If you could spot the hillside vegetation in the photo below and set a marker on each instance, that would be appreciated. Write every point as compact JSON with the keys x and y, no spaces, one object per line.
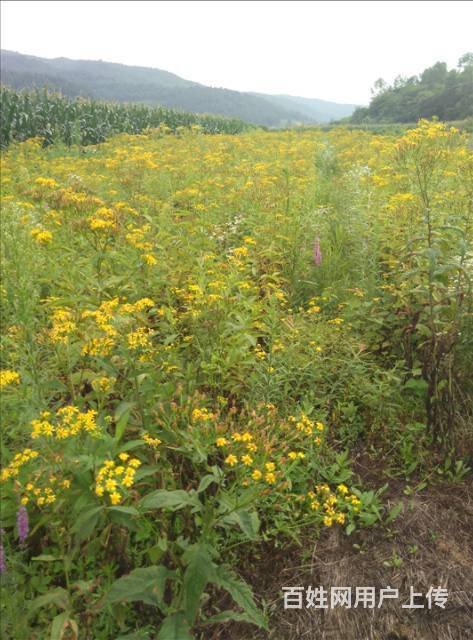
{"x":436,"y":92}
{"x":117,"y":82}
{"x":199,"y":332}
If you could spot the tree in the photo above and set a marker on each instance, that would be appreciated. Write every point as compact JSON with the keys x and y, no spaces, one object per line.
{"x":466,"y":60}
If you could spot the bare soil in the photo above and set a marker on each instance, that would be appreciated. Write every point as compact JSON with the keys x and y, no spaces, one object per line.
{"x":431,"y":543}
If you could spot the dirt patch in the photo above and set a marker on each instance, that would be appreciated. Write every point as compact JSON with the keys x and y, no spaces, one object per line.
{"x":429,"y":544}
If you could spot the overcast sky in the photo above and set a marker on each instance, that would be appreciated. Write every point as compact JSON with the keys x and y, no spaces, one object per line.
{"x":329,"y":50}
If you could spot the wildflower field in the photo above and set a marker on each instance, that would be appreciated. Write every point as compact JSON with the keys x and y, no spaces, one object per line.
{"x":200,"y":333}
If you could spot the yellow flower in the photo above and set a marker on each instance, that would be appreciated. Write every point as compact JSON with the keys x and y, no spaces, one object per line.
{"x":270,"y":466}
{"x":123,"y":456}
{"x":270,"y":478}
{"x":110,"y":485}
{"x":256,"y":475}
{"x":149,"y":259}
{"x":247,"y":460}
{"x":221,"y":442}
{"x":115,"y":498}
{"x":231,"y":460}
{"x":328,"y":521}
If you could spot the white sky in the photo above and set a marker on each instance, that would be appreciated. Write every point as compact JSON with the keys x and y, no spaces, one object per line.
{"x":329,"y":50}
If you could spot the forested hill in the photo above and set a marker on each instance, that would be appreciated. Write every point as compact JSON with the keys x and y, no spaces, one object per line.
{"x":446,"y":94}
{"x":122,"y":83}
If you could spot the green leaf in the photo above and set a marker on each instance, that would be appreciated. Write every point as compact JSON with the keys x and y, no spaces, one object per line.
{"x":141,"y":585}
{"x":423,"y":330}
{"x":199,"y":571}
{"x":350,"y":529}
{"x":242,"y":594}
{"x":175,"y":627}
{"x":86,"y":523}
{"x":173,"y":500}
{"x":59,"y":597}
{"x":419,"y":385}
{"x":246,"y":520}
{"x":394,"y":512}
{"x":131,"y":511}
{"x":59,"y":625}
{"x":122,"y":415}
{"x":206,"y":482}
{"x":46,"y":558}
{"x":224,"y":616}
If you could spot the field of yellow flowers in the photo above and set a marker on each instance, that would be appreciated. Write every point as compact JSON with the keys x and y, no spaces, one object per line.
{"x":197,"y":332}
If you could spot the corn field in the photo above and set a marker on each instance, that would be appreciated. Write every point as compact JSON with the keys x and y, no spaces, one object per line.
{"x":54,"y":117}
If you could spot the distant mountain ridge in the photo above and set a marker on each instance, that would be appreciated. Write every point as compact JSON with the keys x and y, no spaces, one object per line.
{"x":124,"y":83}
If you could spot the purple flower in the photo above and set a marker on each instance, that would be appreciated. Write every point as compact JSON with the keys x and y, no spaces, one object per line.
{"x":317,"y":252}
{"x":3,"y":564}
{"x":22,"y":523}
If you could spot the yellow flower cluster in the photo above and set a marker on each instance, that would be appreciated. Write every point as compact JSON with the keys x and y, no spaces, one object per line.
{"x":202,"y":415}
{"x":333,"y":505}
{"x":107,"y":317}
{"x":62,"y":326}
{"x":69,"y":421}
{"x":7,"y":376}
{"x":140,"y":339}
{"x":153,"y":442}
{"x":46,"y":494}
{"x":115,"y":479}
{"x":48,"y":183}
{"x":307,"y":426}
{"x":313,"y":306}
{"x":103,"y":383}
{"x":246,"y":439}
{"x":42,"y":236}
{"x":136,"y":237}
{"x":12,"y":469}
{"x":103,"y":220}
{"x":98,"y":347}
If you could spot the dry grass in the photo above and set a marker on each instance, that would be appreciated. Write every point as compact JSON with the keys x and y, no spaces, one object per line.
{"x":433,"y":540}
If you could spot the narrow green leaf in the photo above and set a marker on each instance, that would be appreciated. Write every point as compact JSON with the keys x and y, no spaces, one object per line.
{"x":173,"y":500}
{"x":199,"y":571}
{"x":225,"y":616}
{"x":175,"y":627}
{"x":59,"y":625}
{"x":122,"y":416}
